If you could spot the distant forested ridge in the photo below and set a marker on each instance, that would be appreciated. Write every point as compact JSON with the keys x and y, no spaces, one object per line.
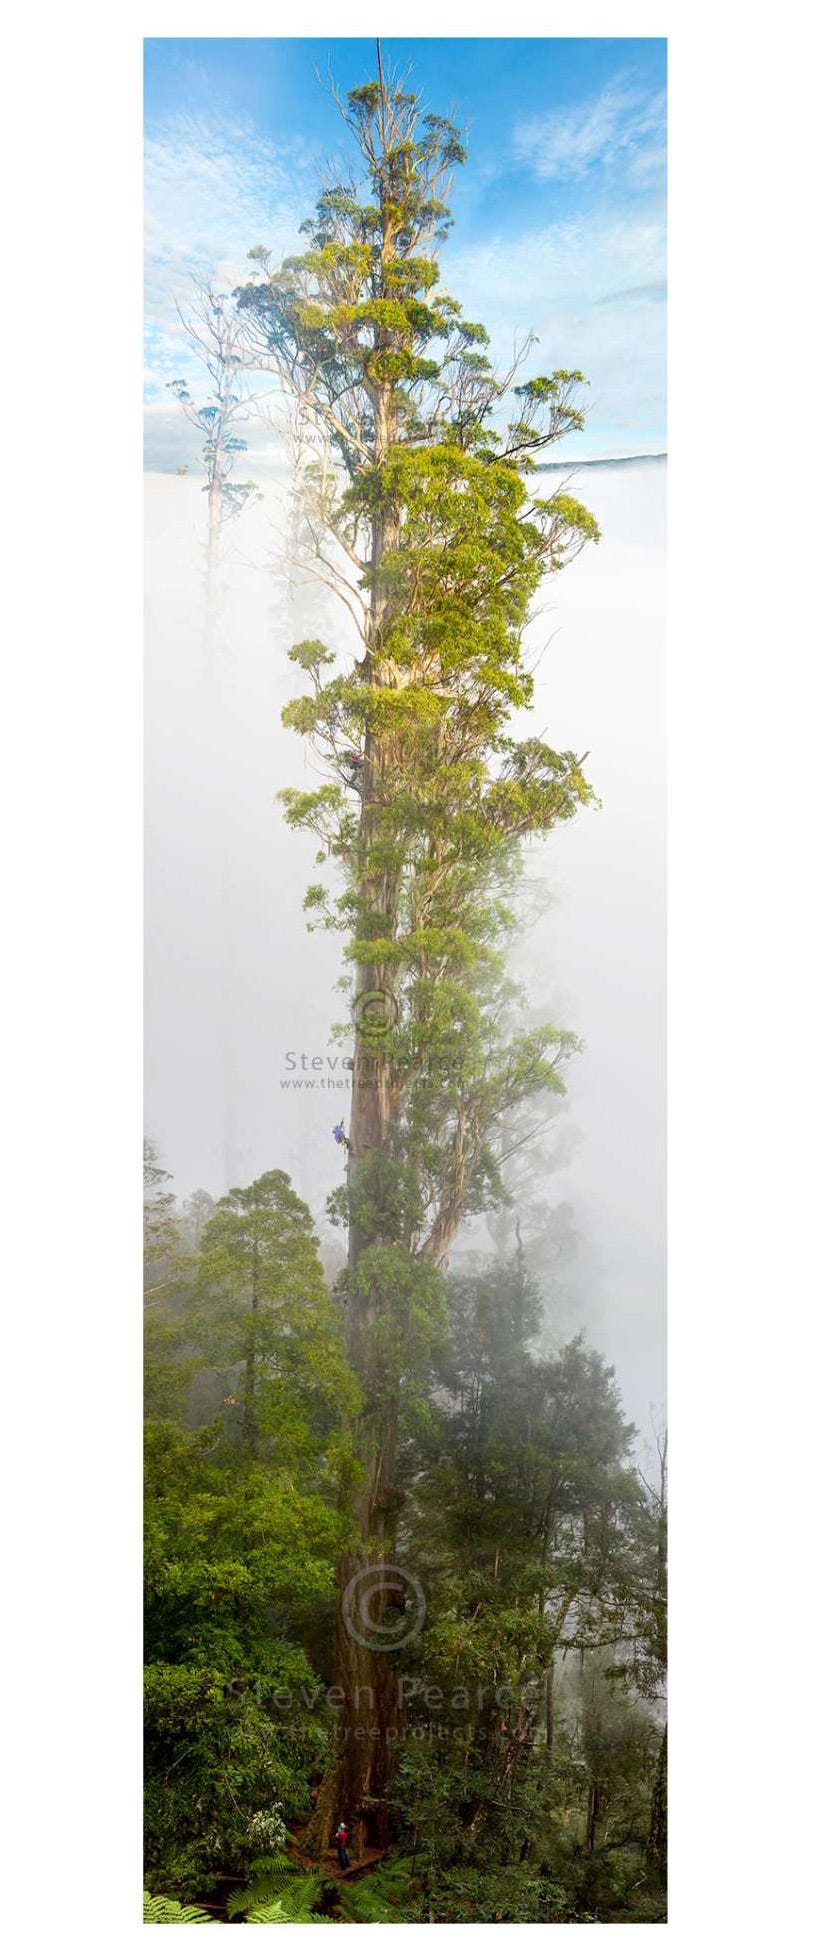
{"x":600,"y":462}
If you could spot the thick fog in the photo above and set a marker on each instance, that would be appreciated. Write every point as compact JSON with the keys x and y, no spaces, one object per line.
{"x":242,"y":1074}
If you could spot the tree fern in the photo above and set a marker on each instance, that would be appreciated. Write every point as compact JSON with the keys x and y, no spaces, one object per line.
{"x":277,"y":1892}
{"x":384,"y":1896}
{"x":160,"y":1908}
{"x":285,"y":1910}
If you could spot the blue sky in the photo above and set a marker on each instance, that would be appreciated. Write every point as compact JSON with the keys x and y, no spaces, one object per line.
{"x":559,"y":211}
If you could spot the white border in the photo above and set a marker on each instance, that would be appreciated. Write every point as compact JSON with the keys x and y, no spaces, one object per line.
{"x":743,"y":747}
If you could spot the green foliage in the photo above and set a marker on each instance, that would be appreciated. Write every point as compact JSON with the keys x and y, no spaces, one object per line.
{"x":541,"y":1557}
{"x":527,"y":1777}
{"x":295,"y":1906}
{"x":243,"y":1533}
{"x":406,"y":1316}
{"x":158,"y":1908}
{"x":230,"y":1545}
{"x":426,"y":494}
{"x":167,"y":1268}
{"x":163,"y":1245}
{"x":389,"y":1894}
{"x":279,"y":1892}
{"x":217,"y":1748}
{"x":266,"y":1318}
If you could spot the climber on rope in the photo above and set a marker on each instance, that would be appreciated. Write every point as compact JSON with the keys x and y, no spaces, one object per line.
{"x":340,"y":1136}
{"x":353,"y":762}
{"x":341,"y":1843}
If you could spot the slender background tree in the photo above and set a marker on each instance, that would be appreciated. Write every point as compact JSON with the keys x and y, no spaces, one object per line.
{"x":212,"y":328}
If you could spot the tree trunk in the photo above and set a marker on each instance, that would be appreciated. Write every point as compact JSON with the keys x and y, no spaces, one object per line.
{"x":212,"y":558}
{"x":364,"y":1676}
{"x":593,"y":1815}
{"x":657,"y":1836}
{"x":249,"y":1410}
{"x":548,"y":1706}
{"x":373,"y":1105}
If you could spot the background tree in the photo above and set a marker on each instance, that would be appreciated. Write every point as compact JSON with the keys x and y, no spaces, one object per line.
{"x":166,"y":1284}
{"x":212,"y":328}
{"x":266,"y":1319}
{"x":162,"y":1238}
{"x":650,"y":1657}
{"x":196,"y":1212}
{"x":534,"y":1754}
{"x":244,"y":1526}
{"x":425,"y":522}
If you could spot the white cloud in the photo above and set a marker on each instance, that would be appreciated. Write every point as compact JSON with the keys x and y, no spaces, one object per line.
{"x":621,"y":122}
{"x":574,"y":262}
{"x":592,"y":291}
{"x":213,"y":189}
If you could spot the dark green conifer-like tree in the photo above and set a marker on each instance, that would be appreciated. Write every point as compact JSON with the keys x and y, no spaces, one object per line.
{"x":266,"y":1313}
{"x":424,"y":515}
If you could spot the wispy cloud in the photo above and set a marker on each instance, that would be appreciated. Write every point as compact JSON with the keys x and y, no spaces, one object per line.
{"x":592,"y":290}
{"x":622,"y":123}
{"x":213,"y":189}
{"x":655,"y":291}
{"x":574,"y":262}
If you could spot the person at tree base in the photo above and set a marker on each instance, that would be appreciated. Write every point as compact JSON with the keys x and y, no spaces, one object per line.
{"x":341,"y":1839}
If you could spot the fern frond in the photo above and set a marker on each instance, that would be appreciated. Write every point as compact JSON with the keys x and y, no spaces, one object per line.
{"x":160,"y":1908}
{"x":268,"y":1873}
{"x":276,"y":1862}
{"x":383,"y":1896}
{"x":292,"y":1896}
{"x":282,"y":1912}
